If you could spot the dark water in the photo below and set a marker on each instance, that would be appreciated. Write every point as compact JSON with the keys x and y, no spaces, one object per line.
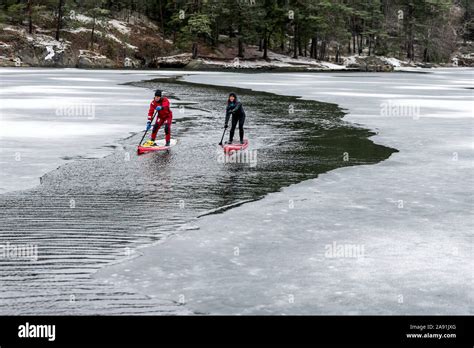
{"x":89,"y":213}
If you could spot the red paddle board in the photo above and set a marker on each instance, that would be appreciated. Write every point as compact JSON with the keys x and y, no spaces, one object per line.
{"x":160,"y":146}
{"x":235,"y":146}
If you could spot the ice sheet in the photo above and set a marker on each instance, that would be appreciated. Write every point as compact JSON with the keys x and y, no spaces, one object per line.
{"x":405,"y":225}
{"x":50,"y":114}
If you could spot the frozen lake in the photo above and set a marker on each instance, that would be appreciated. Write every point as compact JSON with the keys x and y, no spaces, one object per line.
{"x":97,"y":210}
{"x":405,"y":225}
{"x":52,"y":116}
{"x":403,"y":219}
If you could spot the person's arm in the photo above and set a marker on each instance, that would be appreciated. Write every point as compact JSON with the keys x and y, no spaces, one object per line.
{"x":151,"y":111}
{"x":228,"y":112}
{"x":237,"y":106}
{"x":165,"y":105}
{"x":227,"y":117}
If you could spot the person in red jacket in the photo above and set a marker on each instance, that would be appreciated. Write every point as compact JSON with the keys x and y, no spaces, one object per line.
{"x":165,"y":116}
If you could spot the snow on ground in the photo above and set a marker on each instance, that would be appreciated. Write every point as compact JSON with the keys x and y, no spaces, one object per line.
{"x":10,"y":28}
{"x":120,"y":26}
{"x":91,"y":53}
{"x":50,"y":54}
{"x":83,"y":18}
{"x":333,"y":66}
{"x":100,"y":33}
{"x":113,"y":37}
{"x":289,"y":60}
{"x":277,"y":61}
{"x":78,"y":30}
{"x":393,"y":61}
{"x":51,"y":45}
{"x":391,"y":238}
{"x":349,"y":60}
{"x":132,"y":47}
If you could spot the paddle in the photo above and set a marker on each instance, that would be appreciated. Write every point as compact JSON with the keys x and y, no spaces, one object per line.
{"x":222,"y":136}
{"x":224,"y":132}
{"x":146,"y":130}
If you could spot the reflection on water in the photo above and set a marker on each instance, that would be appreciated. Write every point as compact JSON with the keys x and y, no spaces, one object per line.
{"x":90,"y":213}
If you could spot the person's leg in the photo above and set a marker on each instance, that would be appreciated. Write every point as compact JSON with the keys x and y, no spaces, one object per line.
{"x":156,"y":128}
{"x":232,"y":128}
{"x":168,"y":130}
{"x":241,"y":127}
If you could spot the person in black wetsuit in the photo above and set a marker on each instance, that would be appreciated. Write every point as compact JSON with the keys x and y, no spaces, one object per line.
{"x":235,"y":108}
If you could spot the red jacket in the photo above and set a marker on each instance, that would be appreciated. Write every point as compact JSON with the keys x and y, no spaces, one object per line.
{"x":165,"y":112}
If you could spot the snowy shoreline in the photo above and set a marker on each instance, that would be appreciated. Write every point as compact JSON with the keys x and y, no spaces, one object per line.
{"x":414,"y":223}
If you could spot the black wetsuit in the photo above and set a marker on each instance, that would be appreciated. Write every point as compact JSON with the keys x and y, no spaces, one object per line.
{"x":238,"y":115}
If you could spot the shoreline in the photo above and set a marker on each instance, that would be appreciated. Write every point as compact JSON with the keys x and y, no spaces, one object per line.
{"x":407,"y":69}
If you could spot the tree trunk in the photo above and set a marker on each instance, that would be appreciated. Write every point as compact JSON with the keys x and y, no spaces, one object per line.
{"x":410,"y":40}
{"x":92,"y":32}
{"x":353,"y":43}
{"x":30,"y":20}
{"x":195,"y":50}
{"x":241,"y":48}
{"x":311,"y":49}
{"x":315,"y":47}
{"x":60,"y":18}
{"x":216,"y":34}
{"x":161,"y":18}
{"x":295,"y":42}
{"x":265,"y":45}
{"x":240,"y":43}
{"x":300,"y":47}
{"x":322,"y":51}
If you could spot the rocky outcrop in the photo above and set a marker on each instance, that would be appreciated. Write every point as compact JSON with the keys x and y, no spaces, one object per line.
{"x":7,"y":56}
{"x":464,"y":56}
{"x":89,"y":59}
{"x":25,"y":49}
{"x":115,"y":44}
{"x":464,"y":60}
{"x":176,"y":61}
{"x":369,"y":64}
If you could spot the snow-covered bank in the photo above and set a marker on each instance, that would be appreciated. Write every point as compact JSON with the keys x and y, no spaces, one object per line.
{"x":120,"y":44}
{"x":51,"y":116}
{"x":283,"y":63}
{"x":405,"y":225}
{"x":127,"y":45}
